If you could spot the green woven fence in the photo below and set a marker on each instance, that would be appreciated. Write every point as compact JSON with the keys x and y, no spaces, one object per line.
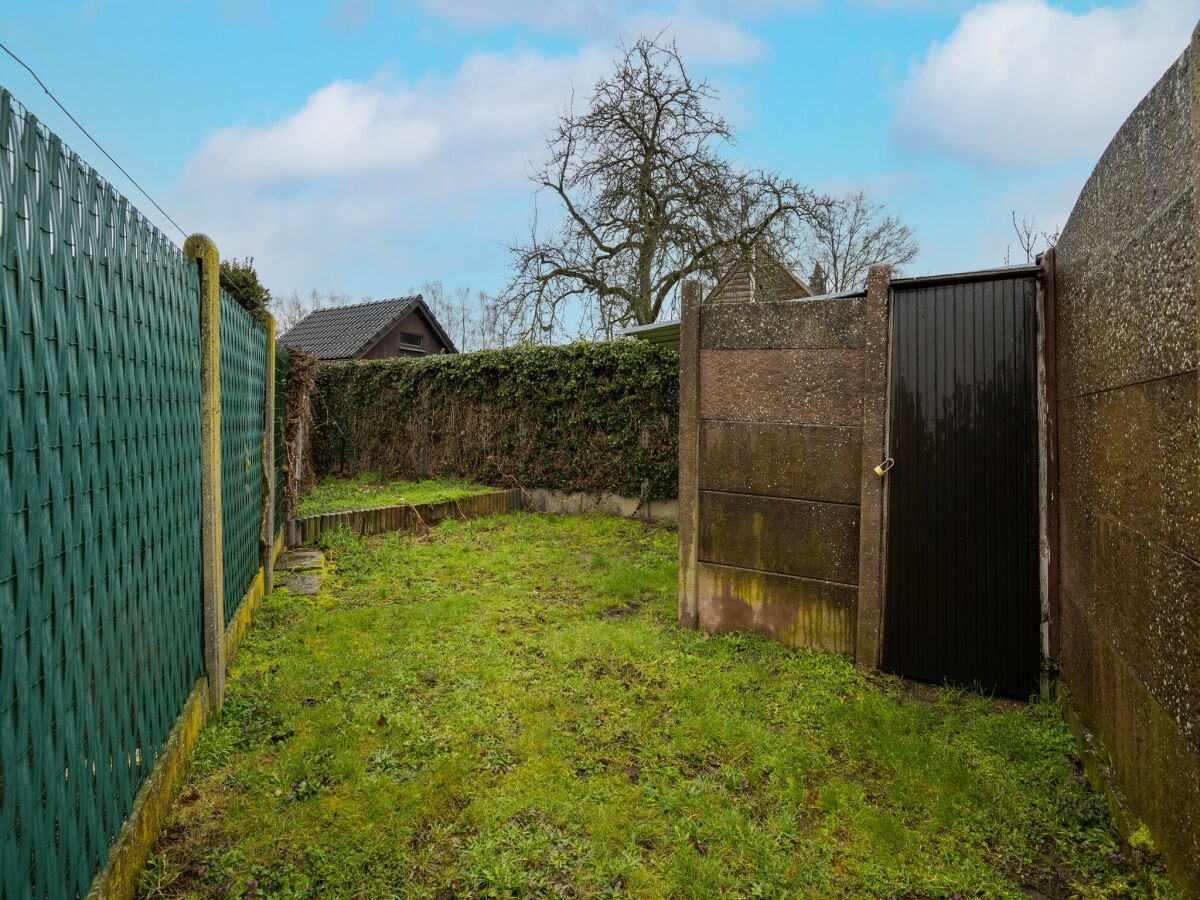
{"x":243,"y":373}
{"x":99,"y":507}
{"x":100,"y":503}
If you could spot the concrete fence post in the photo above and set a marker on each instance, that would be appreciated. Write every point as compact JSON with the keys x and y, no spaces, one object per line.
{"x":872,"y":547}
{"x":203,"y":252}
{"x":689,"y":450}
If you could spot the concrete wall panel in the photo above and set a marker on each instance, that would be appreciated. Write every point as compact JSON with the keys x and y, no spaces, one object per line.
{"x":1141,"y":738}
{"x":1142,"y":172}
{"x":798,"y":612}
{"x":815,"y":387}
{"x":802,"y":462}
{"x":1129,"y":317}
{"x":1134,"y":454}
{"x":789,"y":537}
{"x":1145,"y":599}
{"x":811,"y":324}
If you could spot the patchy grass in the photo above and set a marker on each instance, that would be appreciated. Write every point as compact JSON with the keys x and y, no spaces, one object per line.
{"x":506,"y":708}
{"x":371,"y":490}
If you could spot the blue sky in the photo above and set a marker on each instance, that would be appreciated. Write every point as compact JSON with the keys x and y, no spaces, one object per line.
{"x":368,"y":146}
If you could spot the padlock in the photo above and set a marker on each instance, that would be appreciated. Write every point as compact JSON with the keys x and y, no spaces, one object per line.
{"x":882,"y":468}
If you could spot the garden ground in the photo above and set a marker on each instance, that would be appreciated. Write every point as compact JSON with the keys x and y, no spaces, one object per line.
{"x":505,"y":708}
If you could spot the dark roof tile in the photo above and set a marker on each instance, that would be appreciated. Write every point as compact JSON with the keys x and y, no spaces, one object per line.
{"x":342,"y":332}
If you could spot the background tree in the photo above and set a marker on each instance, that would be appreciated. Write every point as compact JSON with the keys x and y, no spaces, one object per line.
{"x":852,"y":234}
{"x":1031,"y":240}
{"x":240,"y":280}
{"x":647,"y":201}
{"x":291,"y":308}
{"x":468,"y":317}
{"x":817,"y":282}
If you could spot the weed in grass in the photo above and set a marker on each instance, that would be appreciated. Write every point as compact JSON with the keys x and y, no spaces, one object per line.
{"x":506,"y":708}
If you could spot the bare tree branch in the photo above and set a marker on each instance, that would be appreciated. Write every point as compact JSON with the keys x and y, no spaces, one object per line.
{"x":648,"y":200}
{"x":851,"y":235}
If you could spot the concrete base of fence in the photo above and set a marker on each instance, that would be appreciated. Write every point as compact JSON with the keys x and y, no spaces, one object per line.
{"x":127,"y":857}
{"x":542,"y":500}
{"x":236,"y":629}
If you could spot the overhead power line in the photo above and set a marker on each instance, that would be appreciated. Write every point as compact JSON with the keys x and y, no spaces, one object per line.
{"x":229,"y":284}
{"x":88,"y":135}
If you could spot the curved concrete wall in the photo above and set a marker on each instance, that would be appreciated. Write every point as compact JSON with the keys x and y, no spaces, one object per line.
{"x":1129,"y":461}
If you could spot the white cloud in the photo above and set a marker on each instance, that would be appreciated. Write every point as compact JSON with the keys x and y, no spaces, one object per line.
{"x":703,"y":30}
{"x":1020,"y":82}
{"x":698,"y":37}
{"x":341,"y":193}
{"x":345,"y":128}
{"x":549,"y":15}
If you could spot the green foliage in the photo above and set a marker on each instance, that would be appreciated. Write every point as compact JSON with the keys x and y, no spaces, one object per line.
{"x":506,"y":708}
{"x":595,"y":417}
{"x":370,"y":490}
{"x":240,"y":280}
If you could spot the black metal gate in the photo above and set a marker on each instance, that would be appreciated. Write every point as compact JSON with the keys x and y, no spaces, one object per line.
{"x":962,"y":598}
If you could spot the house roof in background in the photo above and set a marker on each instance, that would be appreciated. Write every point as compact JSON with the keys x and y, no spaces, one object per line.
{"x":343,"y":332}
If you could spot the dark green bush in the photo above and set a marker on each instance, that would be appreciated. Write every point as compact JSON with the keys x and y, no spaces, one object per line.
{"x":594,"y":417}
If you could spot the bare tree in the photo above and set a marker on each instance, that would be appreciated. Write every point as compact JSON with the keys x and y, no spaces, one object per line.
{"x":1031,"y":241}
{"x":851,"y":235}
{"x":647,"y":200}
{"x":291,"y":308}
{"x":468,"y":317}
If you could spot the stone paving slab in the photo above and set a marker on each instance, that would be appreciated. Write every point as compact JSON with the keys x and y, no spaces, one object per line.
{"x":300,"y":583}
{"x":299,"y":560}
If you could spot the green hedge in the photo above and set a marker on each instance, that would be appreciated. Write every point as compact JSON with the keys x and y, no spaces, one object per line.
{"x":594,"y":417}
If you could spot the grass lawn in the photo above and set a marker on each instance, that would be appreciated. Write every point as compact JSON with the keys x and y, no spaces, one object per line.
{"x":371,"y":490}
{"x":506,"y":708}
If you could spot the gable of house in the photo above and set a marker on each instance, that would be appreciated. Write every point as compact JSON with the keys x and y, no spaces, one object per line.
{"x":759,"y":278}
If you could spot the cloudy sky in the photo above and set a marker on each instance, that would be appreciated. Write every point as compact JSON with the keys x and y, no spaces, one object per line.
{"x":368,"y":146}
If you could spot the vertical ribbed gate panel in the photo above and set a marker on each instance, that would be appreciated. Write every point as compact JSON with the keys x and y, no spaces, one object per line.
{"x":243,"y":373}
{"x":99,"y":507}
{"x":963,"y":603}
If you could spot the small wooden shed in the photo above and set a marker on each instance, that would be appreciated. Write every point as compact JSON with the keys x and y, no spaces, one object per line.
{"x":404,"y":326}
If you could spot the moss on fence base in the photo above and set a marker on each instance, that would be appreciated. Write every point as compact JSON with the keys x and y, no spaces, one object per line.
{"x":593,"y":417}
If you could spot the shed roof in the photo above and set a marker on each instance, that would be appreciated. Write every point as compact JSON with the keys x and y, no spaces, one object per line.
{"x":343,"y":332}
{"x":665,"y":334}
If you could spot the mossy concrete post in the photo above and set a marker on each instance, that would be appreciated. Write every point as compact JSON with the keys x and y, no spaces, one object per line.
{"x":872,"y":529}
{"x":689,"y":450}
{"x":203,"y":252}
{"x":267,"y":538}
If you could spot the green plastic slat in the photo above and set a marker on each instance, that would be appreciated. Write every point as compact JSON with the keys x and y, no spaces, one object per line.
{"x":99,"y":507}
{"x":281,"y":370}
{"x":243,"y":395}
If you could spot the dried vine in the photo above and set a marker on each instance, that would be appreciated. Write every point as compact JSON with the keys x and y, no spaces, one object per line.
{"x":297,"y":460}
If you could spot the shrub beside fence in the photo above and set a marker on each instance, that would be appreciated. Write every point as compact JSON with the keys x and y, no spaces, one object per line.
{"x":591,"y":417}
{"x":102,"y":367}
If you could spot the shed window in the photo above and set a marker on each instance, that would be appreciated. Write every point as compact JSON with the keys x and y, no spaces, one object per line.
{"x":413,"y":340}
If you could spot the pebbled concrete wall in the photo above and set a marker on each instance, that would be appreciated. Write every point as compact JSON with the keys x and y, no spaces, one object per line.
{"x":771,"y":437}
{"x":1129,"y":461}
